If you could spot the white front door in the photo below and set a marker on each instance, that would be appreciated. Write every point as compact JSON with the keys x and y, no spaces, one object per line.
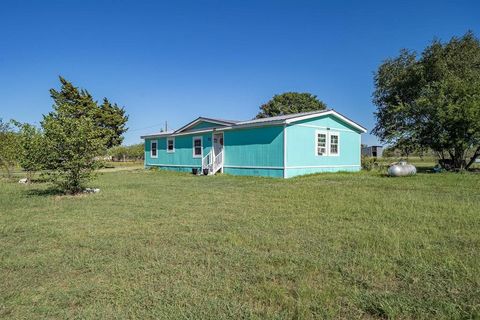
{"x":217,"y":143}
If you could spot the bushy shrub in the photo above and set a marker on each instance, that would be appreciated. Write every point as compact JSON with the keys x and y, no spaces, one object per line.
{"x":369,"y":163}
{"x":127,"y":153}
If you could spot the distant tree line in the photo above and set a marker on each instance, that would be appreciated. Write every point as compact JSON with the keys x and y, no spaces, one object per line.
{"x":127,"y":153}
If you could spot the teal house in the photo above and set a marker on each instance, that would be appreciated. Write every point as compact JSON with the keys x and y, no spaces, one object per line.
{"x":282,"y":146}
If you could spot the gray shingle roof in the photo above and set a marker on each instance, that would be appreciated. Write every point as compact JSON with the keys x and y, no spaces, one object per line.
{"x":281,"y":118}
{"x":254,"y":122}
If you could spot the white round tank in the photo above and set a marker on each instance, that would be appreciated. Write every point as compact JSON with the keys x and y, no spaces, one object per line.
{"x":401,"y":169}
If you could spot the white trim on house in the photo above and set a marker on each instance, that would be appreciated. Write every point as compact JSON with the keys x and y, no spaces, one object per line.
{"x":252,"y":167}
{"x":360,"y":148}
{"x":325,"y":166}
{"x":294,"y":167}
{"x":284,"y":150}
{"x":173,"y":143}
{"x":201,"y":146}
{"x":156,"y":149}
{"x":176,"y":165}
{"x":330,"y":112}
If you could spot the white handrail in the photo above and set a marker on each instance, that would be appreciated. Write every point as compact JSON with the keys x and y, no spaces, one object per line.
{"x":206,"y":161}
{"x":217,"y":162}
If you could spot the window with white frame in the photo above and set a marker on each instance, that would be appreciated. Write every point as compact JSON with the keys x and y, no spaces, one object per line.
{"x":334,"y":144}
{"x":153,"y":148}
{"x":170,"y":145}
{"x":321,"y":143}
{"x":197,"y":147}
{"x":327,"y":143}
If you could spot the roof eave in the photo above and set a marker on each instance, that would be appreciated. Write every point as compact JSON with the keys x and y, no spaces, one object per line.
{"x":251,"y":125}
{"x":333,"y":112}
{"x":185,"y":127}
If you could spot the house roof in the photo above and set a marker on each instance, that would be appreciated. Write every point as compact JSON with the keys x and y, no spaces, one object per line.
{"x":281,"y":119}
{"x":200,"y":119}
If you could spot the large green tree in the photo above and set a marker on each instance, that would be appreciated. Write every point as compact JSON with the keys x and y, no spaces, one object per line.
{"x":75,"y":133}
{"x":110,"y":118}
{"x":290,"y":102}
{"x":71,"y":145}
{"x":432,"y":100}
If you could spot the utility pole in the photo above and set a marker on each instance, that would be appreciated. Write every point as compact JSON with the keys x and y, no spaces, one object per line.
{"x":166,"y":127}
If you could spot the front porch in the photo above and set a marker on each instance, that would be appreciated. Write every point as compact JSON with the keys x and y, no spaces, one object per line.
{"x":214,"y":160}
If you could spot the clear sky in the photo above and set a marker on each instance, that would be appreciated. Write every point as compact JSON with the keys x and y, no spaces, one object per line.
{"x":173,"y":61}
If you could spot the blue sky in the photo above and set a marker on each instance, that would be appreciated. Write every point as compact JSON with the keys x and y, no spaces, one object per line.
{"x":173,"y":61}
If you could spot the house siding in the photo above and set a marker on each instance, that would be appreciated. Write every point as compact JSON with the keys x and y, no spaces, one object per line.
{"x":180,"y":160}
{"x":254,"y":151}
{"x":301,"y":155}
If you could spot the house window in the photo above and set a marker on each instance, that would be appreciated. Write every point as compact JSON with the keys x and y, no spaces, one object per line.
{"x":327,"y":143}
{"x":197,"y":147}
{"x":170,"y":145}
{"x":321,"y":144}
{"x":333,"y":144}
{"x":153,"y":149}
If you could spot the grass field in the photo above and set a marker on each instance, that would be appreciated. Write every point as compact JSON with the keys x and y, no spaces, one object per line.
{"x":168,"y":245}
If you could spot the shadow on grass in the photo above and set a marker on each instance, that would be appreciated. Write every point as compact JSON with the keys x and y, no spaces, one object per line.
{"x":44,"y":192}
{"x":54,"y":192}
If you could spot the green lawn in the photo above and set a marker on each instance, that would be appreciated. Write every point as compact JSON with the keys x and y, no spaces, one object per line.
{"x":168,"y":245}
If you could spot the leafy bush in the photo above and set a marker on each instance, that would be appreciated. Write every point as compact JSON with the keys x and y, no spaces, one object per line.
{"x":127,"y":153}
{"x":369,"y":163}
{"x":9,"y":147}
{"x":71,"y":147}
{"x":32,"y":151}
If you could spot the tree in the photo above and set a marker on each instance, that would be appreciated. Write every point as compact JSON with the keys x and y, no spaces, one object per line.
{"x":136,"y":151}
{"x":112,"y":119}
{"x":71,"y":144}
{"x":432,"y":100}
{"x":32,"y":149}
{"x":9,"y":147}
{"x":132,"y":152}
{"x":75,"y":133}
{"x":75,"y":102}
{"x":290,"y":102}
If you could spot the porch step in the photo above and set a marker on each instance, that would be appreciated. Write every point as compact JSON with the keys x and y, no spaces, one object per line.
{"x":213,"y":164}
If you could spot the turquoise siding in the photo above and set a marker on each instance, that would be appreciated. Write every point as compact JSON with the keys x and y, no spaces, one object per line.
{"x":204,"y":125}
{"x":183,"y":155}
{"x":257,"y":151}
{"x":301,"y":148}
